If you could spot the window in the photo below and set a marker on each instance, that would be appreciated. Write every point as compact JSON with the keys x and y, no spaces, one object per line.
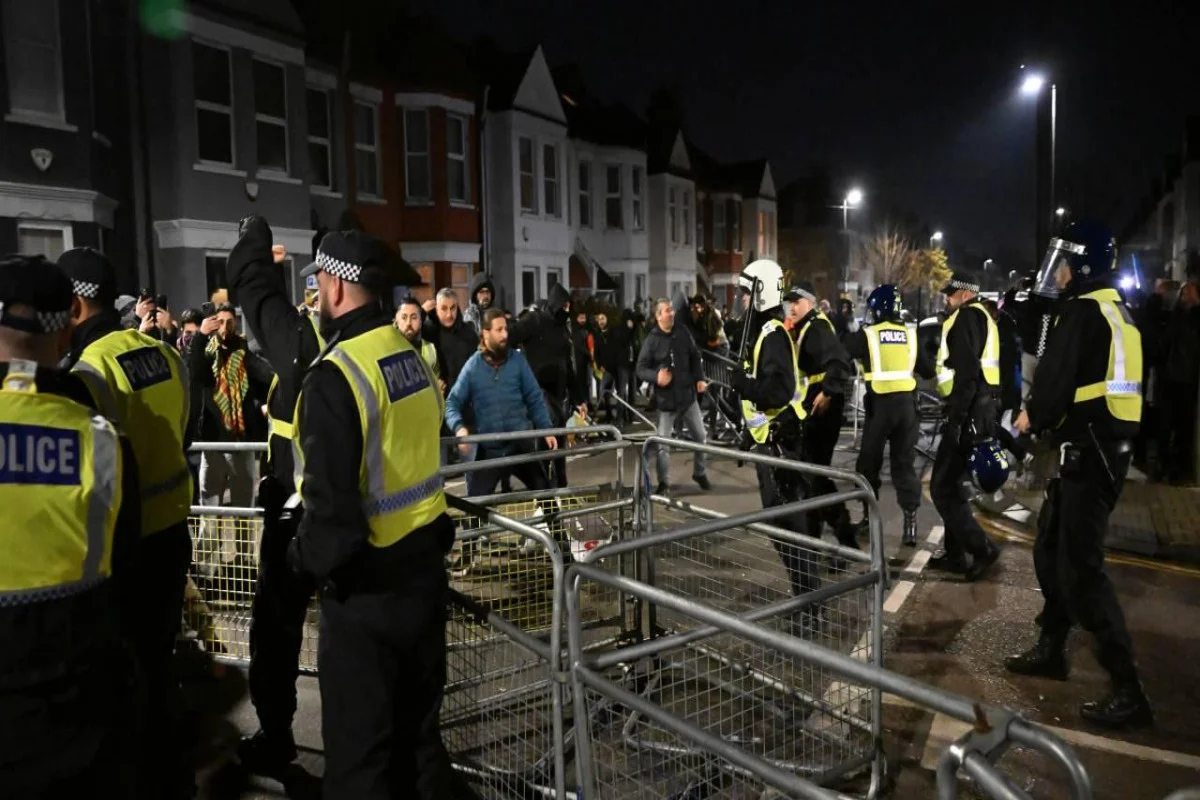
{"x":772,"y":242}
{"x":214,"y":104}
{"x":762,"y":234}
{"x":457,"y":173}
{"x":32,"y":45}
{"x":214,"y":270}
{"x":460,"y":282}
{"x":366,"y":149}
{"x":687,"y":216}
{"x":735,"y":219}
{"x":719,"y":242}
{"x":612,"y":201}
{"x":585,"y":194}
{"x":672,"y":217}
{"x":320,"y":140}
{"x":637,"y":198}
{"x":699,"y":224}
{"x":418,"y":185}
{"x":270,"y":116}
{"x":550,"y":179}
{"x":554,"y":276}
{"x":529,"y":286}
{"x":525,"y":156}
{"x":639,"y":283}
{"x":49,"y":239}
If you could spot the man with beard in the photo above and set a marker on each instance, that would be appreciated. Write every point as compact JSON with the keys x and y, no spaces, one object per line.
{"x":408,"y":321}
{"x":482,"y":293}
{"x":606,"y":356}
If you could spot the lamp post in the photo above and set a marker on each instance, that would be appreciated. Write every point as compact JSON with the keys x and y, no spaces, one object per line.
{"x":1047,"y":124}
{"x":936,"y":239}
{"x":852,"y":200}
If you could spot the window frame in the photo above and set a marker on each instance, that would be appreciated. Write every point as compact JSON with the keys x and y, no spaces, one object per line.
{"x":637,"y":186}
{"x":720,"y":236}
{"x":532,"y":208}
{"x":619,"y":196}
{"x":686,"y":214}
{"x":327,"y":140}
{"x":551,"y":182}
{"x":537,"y":283}
{"x":464,"y":158}
{"x":59,"y":118}
{"x":672,"y":216}
{"x":63,"y":228}
{"x":700,"y":246}
{"x":216,"y":108}
{"x":373,"y":149}
{"x":222,"y":254}
{"x":261,"y":118}
{"x":409,"y":154}
{"x":585,"y":194}
{"x":735,"y":226}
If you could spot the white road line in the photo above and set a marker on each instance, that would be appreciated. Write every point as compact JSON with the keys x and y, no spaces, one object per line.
{"x":917,"y":564}
{"x":946,"y":729}
{"x":897,"y":596}
{"x":936,"y":534}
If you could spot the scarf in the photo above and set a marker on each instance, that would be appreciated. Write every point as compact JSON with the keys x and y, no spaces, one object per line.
{"x":229,"y":369}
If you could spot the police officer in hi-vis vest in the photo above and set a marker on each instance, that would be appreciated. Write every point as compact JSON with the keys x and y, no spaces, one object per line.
{"x":290,"y":341}
{"x":374,"y":535}
{"x":891,"y":357}
{"x":1087,"y":396}
{"x":773,"y":409}
{"x":141,"y":384}
{"x":968,"y":376}
{"x":68,"y":486}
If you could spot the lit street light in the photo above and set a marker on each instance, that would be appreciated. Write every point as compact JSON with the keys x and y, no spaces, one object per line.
{"x":1047,"y":115}
{"x":936,"y":238}
{"x":1033,"y":84}
{"x":988,"y":263}
{"x":1060,"y":211}
{"x":853,"y":199}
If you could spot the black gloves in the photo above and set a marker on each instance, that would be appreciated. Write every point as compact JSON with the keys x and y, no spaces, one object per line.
{"x":253,"y":246}
{"x":739,"y":380}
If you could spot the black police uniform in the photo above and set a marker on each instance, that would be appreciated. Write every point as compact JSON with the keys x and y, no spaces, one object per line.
{"x":821,"y":352}
{"x":773,"y":386}
{"x":281,"y":596}
{"x":1072,"y":524}
{"x":68,"y":679}
{"x":891,"y":420}
{"x":383,"y":610}
{"x":972,"y":404}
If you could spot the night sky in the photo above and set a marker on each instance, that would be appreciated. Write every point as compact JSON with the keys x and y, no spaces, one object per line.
{"x":915,"y":102}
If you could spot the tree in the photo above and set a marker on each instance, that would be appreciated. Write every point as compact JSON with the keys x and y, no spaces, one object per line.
{"x":887,"y":254}
{"x":927,"y":269}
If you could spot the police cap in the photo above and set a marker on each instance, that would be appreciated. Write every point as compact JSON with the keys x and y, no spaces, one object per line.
{"x":961,"y":280}
{"x":92,"y":274}
{"x":35,"y":295}
{"x":360,"y":258}
{"x":801,"y":291}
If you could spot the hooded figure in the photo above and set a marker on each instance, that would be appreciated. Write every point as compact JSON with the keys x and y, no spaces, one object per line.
{"x":482,"y":293}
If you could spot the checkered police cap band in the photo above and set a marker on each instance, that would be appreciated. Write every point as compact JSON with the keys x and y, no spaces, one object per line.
{"x":53,"y":321}
{"x":959,"y":284}
{"x":339,"y":269}
{"x":86,"y":289}
{"x":42,"y":321}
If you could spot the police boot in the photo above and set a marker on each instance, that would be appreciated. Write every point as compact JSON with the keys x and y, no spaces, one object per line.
{"x":1046,"y":659}
{"x":910,"y":528}
{"x":1125,"y":706}
{"x":267,"y":754}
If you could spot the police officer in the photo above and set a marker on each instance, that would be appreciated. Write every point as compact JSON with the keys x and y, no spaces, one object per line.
{"x":290,"y":341}
{"x":1086,"y":394}
{"x":68,"y":486}
{"x":968,"y":376}
{"x":773,"y":410}
{"x":891,"y":355}
{"x":141,"y":384}
{"x":824,"y":376}
{"x":373,"y":536}
{"x":409,"y":318}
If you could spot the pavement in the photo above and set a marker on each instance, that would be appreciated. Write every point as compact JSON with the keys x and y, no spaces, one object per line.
{"x":939,"y":630}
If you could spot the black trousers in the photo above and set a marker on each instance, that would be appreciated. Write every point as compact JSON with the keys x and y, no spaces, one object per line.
{"x":382,"y":660}
{"x":821,"y":434}
{"x":892,"y":421}
{"x":483,"y":481}
{"x":281,"y":598}
{"x":776,"y":488}
{"x":963,"y":533}
{"x":152,"y":608}
{"x":1069,"y":558}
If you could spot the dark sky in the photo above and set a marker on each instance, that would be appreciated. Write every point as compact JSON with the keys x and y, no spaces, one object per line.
{"x":916,"y":102}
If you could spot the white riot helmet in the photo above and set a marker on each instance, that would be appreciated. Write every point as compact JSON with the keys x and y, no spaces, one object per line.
{"x":763,"y":281}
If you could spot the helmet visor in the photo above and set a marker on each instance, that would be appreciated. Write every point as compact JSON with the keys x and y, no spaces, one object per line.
{"x":1055,"y":272}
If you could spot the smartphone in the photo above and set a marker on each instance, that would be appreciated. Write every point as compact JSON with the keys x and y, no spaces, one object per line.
{"x":208,"y":310}
{"x":161,"y":301}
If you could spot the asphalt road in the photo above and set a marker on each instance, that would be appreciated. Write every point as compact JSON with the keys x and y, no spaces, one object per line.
{"x":939,"y":630}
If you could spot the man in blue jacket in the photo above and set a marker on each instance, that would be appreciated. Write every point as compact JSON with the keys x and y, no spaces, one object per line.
{"x":500,"y":388}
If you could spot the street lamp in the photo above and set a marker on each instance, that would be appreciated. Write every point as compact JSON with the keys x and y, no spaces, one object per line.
{"x":1060,"y":211}
{"x":987,"y":263}
{"x":1047,"y":114}
{"x":853,"y":199}
{"x":936,"y":238}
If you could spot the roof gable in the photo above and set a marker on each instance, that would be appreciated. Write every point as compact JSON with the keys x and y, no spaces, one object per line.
{"x":536,"y":92}
{"x":679,"y":156}
{"x":767,"y":187}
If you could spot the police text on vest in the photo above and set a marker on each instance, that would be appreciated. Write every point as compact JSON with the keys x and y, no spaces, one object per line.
{"x":145,"y":367}
{"x":37,"y":454}
{"x":893,"y":337}
{"x":404,"y":374}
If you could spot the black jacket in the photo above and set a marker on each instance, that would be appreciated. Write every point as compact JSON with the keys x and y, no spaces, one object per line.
{"x":455,"y":345}
{"x":823,"y":352}
{"x":545,"y":336}
{"x":331,"y":542}
{"x":677,"y":352}
{"x":626,"y":340}
{"x":774,"y":381}
{"x":1076,"y":355}
{"x":972,"y":399}
{"x":472,"y":315}
{"x":607,"y":349}
{"x":288,"y":340}
{"x":209,"y":427}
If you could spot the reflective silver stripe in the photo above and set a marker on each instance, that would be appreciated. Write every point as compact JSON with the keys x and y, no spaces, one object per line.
{"x":1123,"y":387}
{"x":895,"y":375}
{"x":42,"y":594}
{"x":396,"y":501}
{"x":372,"y":436}
{"x":989,"y":362}
{"x":873,"y":346}
{"x":1118,"y":340}
{"x":104,"y":490}
{"x":945,"y":375}
{"x":912,"y":348}
{"x":102,"y":393}
{"x":162,"y":487}
{"x":756,"y":419}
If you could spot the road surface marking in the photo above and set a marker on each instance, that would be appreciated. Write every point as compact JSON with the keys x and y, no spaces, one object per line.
{"x":936,"y":534}
{"x":946,"y":730}
{"x":897,"y":596}
{"x":917,"y":564}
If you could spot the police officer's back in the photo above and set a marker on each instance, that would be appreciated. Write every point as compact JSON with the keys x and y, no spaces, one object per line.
{"x":1086,"y":394}
{"x":68,"y":486}
{"x":374,"y":535}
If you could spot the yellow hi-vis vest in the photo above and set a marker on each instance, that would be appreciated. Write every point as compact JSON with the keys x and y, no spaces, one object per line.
{"x":284,"y":427}
{"x":141,"y":384}
{"x":429,"y":354}
{"x":1122,"y":384}
{"x":989,"y":359}
{"x":60,"y":487}
{"x":401,"y":410}
{"x":892,"y":348}
{"x":759,"y":422}
{"x":810,"y":380}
